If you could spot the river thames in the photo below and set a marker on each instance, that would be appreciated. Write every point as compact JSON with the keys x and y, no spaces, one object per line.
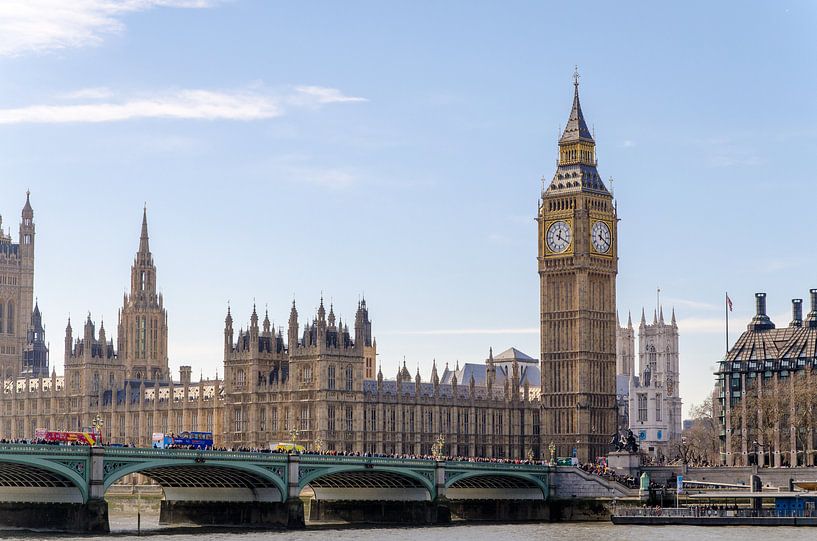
{"x":125,"y":528}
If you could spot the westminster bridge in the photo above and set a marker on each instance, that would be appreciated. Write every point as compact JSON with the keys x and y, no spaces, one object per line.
{"x":63,"y":487}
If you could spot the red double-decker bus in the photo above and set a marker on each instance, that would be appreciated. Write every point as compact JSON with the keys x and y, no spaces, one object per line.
{"x":86,"y":436}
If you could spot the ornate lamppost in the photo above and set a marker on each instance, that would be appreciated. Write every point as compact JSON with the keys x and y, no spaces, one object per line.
{"x":319,"y":444}
{"x":552,"y":449}
{"x":438,"y":448}
{"x":97,"y":422}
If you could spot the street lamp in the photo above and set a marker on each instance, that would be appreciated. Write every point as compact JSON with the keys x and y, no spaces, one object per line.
{"x":97,"y":422}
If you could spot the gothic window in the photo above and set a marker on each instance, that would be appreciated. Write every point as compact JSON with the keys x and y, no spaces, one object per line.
{"x":95,"y":383}
{"x":239,"y":377}
{"x":179,"y":422}
{"x":238,"y":420}
{"x":194,"y":421}
{"x":155,"y":337}
{"x":330,"y":418}
{"x":27,"y":239}
{"x":1,"y":317}
{"x":330,"y":377}
{"x":349,"y":419}
{"x":658,"y":407}
{"x":349,"y":380}
{"x":142,"y":280}
{"x":306,"y":374}
{"x":305,"y":414}
{"x":642,"y":407}
{"x":10,"y":321}
{"x":262,"y":418}
{"x":273,"y":418}
{"x":651,"y":358}
{"x":209,"y":421}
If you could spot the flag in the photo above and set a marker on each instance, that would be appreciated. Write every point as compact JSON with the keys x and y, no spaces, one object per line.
{"x":728,"y":302}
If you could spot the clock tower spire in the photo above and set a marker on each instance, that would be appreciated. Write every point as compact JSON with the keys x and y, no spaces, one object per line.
{"x":578,"y":263}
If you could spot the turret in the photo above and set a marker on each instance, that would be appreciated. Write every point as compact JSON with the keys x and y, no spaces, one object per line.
{"x":292,"y":332}
{"x":69,"y":340}
{"x":228,"y":331}
{"x":27,"y":232}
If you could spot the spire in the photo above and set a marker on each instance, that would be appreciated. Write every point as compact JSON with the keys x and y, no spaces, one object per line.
{"x":576,"y":128}
{"x":630,"y":319}
{"x":617,"y":322}
{"x":144,"y":245}
{"x":643,"y":319}
{"x":654,"y":317}
{"x":28,"y":212}
{"x":674,"y":324}
{"x":661,"y":315}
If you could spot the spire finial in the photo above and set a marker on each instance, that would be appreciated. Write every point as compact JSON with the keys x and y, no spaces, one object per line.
{"x":144,"y":246}
{"x":576,"y":78}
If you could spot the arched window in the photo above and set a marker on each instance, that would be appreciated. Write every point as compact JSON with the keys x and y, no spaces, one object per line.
{"x":349,"y":380}
{"x":1,"y":317}
{"x":95,"y":383}
{"x":10,"y":322}
{"x":330,"y":377}
{"x":239,"y":377}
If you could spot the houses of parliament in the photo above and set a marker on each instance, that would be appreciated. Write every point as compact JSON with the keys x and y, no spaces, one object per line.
{"x":317,"y":381}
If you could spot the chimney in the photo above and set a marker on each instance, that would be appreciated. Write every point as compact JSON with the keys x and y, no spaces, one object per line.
{"x":796,"y":313}
{"x":811,"y":320}
{"x":761,"y":321}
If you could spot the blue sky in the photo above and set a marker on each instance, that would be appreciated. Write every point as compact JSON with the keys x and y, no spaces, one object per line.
{"x":396,"y":150}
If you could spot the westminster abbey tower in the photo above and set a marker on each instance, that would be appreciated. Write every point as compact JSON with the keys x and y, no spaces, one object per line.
{"x":577,"y":272}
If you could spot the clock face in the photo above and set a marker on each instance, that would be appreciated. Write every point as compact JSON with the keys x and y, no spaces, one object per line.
{"x":601,"y":238}
{"x":558,"y":237}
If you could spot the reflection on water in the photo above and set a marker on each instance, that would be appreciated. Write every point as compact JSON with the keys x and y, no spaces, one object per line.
{"x":124,"y":526}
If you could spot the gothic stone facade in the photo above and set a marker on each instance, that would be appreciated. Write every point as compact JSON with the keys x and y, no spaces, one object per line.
{"x":311,"y":386}
{"x":652,"y":397}
{"x":318,"y":385}
{"x":22,"y":346}
{"x":578,"y":262}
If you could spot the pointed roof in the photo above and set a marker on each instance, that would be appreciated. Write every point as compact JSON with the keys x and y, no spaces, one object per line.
{"x":576,"y":128}
{"x":144,"y":244}
{"x":27,"y":210}
{"x":513,"y":354}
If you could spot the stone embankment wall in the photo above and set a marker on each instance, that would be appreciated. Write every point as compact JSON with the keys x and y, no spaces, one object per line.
{"x":769,"y":477}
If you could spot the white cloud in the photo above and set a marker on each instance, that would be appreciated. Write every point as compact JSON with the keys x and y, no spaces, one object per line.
{"x":93,"y":93}
{"x":628,"y":143}
{"x":44,"y":25}
{"x":181,"y":104}
{"x":321,"y":95}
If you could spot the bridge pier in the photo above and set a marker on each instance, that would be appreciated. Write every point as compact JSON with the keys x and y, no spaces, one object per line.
{"x":91,"y":517}
{"x":380,"y":512}
{"x":500,"y":510}
{"x":289,"y":514}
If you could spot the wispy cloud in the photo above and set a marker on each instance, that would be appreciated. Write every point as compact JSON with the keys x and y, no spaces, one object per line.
{"x":180,"y":104}
{"x":92,"y":93}
{"x":628,"y":143}
{"x":39,"y":26}
{"x":523,"y":330}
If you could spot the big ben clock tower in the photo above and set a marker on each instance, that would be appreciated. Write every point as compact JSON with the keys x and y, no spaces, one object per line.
{"x":577,"y":275}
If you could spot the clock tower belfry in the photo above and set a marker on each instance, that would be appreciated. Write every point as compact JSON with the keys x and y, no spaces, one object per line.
{"x":578,"y":262}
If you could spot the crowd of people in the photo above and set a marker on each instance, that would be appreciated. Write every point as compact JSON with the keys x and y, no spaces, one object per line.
{"x":609,"y":474}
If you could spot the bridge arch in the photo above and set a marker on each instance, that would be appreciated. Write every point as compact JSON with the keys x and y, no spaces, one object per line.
{"x":30,"y":478}
{"x":183,"y":480}
{"x":367,"y":482}
{"x":496,"y":485}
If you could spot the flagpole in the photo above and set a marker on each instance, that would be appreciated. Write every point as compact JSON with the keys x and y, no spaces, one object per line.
{"x":726,"y":309}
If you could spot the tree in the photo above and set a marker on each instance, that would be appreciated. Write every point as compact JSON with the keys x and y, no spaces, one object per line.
{"x":700,"y":443}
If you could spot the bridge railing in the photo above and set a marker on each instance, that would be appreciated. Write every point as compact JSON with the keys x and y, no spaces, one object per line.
{"x":307,"y":458}
{"x":76,"y":450}
{"x":192,"y":453}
